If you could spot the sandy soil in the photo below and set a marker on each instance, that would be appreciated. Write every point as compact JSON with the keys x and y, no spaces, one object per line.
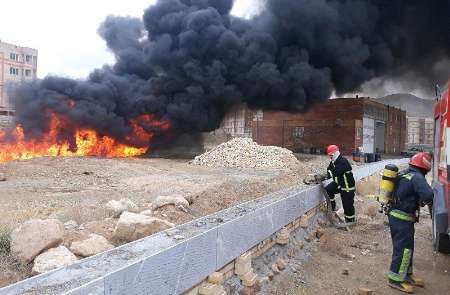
{"x":78,"y":188}
{"x":366,"y":252}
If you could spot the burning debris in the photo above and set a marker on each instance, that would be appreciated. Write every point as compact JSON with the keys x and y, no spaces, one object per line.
{"x":187,"y":62}
{"x":64,"y":139}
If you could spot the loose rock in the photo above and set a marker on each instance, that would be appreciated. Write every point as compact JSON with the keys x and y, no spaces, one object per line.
{"x":281,"y":264}
{"x":216,"y":278}
{"x":147,"y":212}
{"x":133,"y":226}
{"x":365,"y":291}
{"x":275,"y":268}
{"x":118,"y":207}
{"x":53,"y":259}
{"x":245,"y":153}
{"x":162,"y":201}
{"x":35,"y":236}
{"x":91,"y":246}
{"x":70,"y":225}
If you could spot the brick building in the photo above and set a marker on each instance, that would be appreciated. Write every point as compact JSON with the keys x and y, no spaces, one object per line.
{"x":349,"y":122}
{"x":17,"y":64}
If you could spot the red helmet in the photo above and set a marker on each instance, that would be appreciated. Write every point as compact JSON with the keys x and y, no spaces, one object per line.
{"x":421,"y":160}
{"x":331,"y":149}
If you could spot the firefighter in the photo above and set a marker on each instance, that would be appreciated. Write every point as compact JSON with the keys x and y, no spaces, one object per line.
{"x":340,"y":171}
{"x":411,"y":191}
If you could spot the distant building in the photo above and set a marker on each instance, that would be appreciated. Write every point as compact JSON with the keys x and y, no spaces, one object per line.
{"x":419,"y":115}
{"x":420,"y":130}
{"x":349,"y":122}
{"x":17,"y":64}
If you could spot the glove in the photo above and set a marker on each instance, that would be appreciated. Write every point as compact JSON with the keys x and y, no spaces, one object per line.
{"x":320,"y":177}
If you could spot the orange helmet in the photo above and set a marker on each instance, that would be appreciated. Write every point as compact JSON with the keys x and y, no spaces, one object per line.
{"x":421,"y":160}
{"x":331,"y":149}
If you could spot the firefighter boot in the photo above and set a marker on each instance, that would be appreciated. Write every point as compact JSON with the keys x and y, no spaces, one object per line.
{"x":401,"y":286}
{"x":415,"y":281}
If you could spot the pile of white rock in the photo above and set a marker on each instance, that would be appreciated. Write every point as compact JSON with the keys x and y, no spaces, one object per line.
{"x":245,"y":153}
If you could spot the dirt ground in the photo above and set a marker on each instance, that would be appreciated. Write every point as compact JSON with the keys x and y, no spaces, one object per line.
{"x":365,"y":252}
{"x":78,"y":188}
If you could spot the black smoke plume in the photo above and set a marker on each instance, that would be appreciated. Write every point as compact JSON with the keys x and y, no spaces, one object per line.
{"x":189,"y":61}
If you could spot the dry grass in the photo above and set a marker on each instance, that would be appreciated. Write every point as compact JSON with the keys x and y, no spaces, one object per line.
{"x":10,"y":268}
{"x":5,"y":243}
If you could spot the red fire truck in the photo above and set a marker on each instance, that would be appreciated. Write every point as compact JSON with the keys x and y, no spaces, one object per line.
{"x":441,"y":177}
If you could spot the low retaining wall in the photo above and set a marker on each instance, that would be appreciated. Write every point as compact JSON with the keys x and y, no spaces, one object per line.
{"x":178,"y":259}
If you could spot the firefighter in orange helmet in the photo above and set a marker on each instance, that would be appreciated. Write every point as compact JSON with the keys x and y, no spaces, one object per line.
{"x":411,"y":191}
{"x":340,"y":171}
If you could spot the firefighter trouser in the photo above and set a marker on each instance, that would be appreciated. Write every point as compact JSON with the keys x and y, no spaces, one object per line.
{"x":402,"y":233}
{"x":347,"y":201}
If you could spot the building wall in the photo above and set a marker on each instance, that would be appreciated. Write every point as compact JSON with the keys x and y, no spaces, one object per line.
{"x":17,"y":64}
{"x":420,"y":130}
{"x":237,"y":122}
{"x":337,"y":121}
{"x":396,"y":132}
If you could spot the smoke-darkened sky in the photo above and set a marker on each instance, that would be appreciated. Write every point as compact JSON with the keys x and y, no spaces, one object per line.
{"x":189,"y":61}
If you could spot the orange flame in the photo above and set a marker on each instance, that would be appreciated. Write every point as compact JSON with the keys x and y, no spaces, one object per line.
{"x":85,"y":142}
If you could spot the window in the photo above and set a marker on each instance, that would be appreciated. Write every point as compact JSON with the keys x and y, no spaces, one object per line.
{"x":13,"y":56}
{"x":28,"y":58}
{"x":298,"y":132}
{"x":28,"y":73}
{"x":14,"y":71}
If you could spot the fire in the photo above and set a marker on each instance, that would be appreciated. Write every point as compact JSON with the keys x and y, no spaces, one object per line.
{"x":83,"y":142}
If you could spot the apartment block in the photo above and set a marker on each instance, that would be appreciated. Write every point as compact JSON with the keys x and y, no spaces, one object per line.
{"x":17,"y":64}
{"x":420,"y":130}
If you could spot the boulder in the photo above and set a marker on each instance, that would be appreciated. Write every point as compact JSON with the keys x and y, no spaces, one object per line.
{"x":162,"y":201}
{"x":93,"y":245}
{"x":133,"y":226}
{"x":52,"y":259}
{"x":115,"y":208}
{"x":35,"y":236}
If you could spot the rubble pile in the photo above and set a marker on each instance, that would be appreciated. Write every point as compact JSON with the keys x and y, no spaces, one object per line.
{"x":245,"y":153}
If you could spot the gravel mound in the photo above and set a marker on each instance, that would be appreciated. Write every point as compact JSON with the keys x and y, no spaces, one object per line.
{"x":245,"y":153}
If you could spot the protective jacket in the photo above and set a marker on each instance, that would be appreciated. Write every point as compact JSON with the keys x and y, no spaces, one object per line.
{"x":341,"y":173}
{"x":411,"y":191}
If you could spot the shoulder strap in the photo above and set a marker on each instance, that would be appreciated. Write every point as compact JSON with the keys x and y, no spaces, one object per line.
{"x":408,"y":176}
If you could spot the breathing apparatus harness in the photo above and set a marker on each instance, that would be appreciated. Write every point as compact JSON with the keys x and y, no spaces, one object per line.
{"x":386,"y":197}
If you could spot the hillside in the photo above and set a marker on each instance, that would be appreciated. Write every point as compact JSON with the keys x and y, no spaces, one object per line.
{"x":413,"y":105}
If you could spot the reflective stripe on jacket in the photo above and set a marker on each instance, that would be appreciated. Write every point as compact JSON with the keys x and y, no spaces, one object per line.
{"x":341,"y":173}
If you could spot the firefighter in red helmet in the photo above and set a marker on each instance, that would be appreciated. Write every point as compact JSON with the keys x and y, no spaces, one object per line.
{"x":340,"y":171}
{"x":411,"y":191}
